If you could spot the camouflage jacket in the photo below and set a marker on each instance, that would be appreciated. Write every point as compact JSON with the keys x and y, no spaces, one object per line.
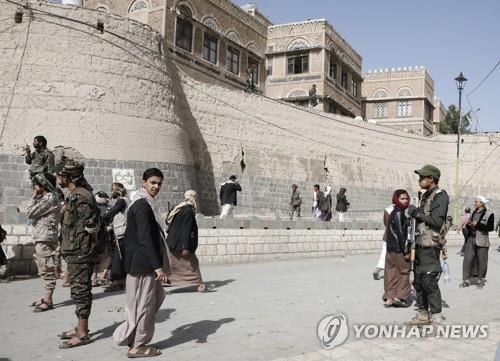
{"x":40,"y":161}
{"x":44,"y":211}
{"x":80,"y":225}
{"x":295,"y":199}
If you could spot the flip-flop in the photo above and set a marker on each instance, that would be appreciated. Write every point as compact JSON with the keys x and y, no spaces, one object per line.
{"x":145,"y":351}
{"x":38,"y":308}
{"x":464,"y":284}
{"x":84,"y":340}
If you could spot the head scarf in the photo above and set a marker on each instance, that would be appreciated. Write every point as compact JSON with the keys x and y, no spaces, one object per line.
{"x":395,"y":198}
{"x":328,"y":189}
{"x":189,"y":200}
{"x":143,"y":194}
{"x":46,"y":181}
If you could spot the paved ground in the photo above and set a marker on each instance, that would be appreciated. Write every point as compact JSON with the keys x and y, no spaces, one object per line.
{"x":264,"y":311}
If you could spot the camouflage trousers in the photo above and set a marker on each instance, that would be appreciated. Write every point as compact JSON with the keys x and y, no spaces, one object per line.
{"x":80,"y":280}
{"x":46,"y":259}
{"x":294,"y":209}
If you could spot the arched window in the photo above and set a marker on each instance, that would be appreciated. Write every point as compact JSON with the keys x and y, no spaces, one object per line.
{"x":212,"y":23}
{"x":298,"y":93}
{"x":380,"y":93}
{"x":234,"y":37}
{"x":184,"y":28}
{"x":297,"y":44}
{"x":253,"y":48}
{"x":404,"y":93}
{"x":137,"y":5}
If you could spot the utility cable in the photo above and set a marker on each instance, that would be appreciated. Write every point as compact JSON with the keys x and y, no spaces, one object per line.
{"x":9,"y":105}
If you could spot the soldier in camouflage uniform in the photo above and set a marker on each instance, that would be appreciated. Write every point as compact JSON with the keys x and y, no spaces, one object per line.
{"x":295,"y":201}
{"x":43,"y":210}
{"x":42,"y":159}
{"x":80,"y":226}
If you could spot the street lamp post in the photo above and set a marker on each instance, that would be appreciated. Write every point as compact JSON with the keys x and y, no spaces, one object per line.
{"x":460,"y":80}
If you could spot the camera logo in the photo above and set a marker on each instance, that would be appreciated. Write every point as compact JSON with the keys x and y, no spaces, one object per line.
{"x":332,"y":330}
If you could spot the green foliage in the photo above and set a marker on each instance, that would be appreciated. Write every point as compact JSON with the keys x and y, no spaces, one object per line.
{"x":450,"y":123}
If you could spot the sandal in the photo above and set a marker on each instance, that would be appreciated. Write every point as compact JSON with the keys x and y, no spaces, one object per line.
{"x":39,"y":308}
{"x":66,"y":335}
{"x":84,"y":340}
{"x":480,"y":285}
{"x":145,"y":351}
{"x":464,"y":284}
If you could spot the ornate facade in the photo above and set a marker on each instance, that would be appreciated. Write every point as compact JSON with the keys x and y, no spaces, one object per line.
{"x":311,"y":52}
{"x":400,"y":98}
{"x":211,"y":40}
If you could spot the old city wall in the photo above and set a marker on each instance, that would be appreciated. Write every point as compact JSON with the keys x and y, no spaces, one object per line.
{"x":118,"y":99}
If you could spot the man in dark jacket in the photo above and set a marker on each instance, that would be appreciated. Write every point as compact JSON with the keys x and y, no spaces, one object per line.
{"x":145,"y":252}
{"x":228,"y":196}
{"x":430,"y":241}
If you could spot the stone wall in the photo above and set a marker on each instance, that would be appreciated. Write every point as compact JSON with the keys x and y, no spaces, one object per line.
{"x":232,"y":245}
{"x":118,"y":99}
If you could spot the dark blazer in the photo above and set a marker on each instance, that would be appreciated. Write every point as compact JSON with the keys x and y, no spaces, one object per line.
{"x":342,"y":203}
{"x":142,"y":240}
{"x":183,"y":231}
{"x":227,"y":193}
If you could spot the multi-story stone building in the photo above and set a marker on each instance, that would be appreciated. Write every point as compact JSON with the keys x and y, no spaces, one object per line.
{"x":311,"y":52}
{"x":400,"y":98}
{"x":439,"y":114}
{"x":212,"y":40}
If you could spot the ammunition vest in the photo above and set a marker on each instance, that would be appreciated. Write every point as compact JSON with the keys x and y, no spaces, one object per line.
{"x":79,"y":235}
{"x":428,"y":237}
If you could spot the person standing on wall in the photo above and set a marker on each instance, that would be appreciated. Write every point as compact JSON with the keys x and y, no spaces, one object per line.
{"x":41,"y":159}
{"x":44,"y":210}
{"x":295,"y":201}
{"x":342,"y":204}
{"x":228,"y":196}
{"x":317,"y":200}
{"x":430,"y":245}
{"x":144,"y":262}
{"x":326,"y":205}
{"x":481,"y":222}
{"x":80,"y":227}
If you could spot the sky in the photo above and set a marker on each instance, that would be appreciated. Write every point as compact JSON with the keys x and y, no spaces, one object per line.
{"x":445,"y":36}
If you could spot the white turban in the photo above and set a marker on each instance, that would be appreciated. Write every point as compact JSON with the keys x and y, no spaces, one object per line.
{"x":482,"y":199}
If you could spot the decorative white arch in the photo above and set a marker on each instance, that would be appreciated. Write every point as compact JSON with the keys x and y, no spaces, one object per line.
{"x":253,"y":48}
{"x":405,"y":92}
{"x":211,"y":22}
{"x":182,"y":6}
{"x":296,"y":93}
{"x":297,"y":44}
{"x":380,"y":93}
{"x":233,"y":36}
{"x":137,"y":5}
